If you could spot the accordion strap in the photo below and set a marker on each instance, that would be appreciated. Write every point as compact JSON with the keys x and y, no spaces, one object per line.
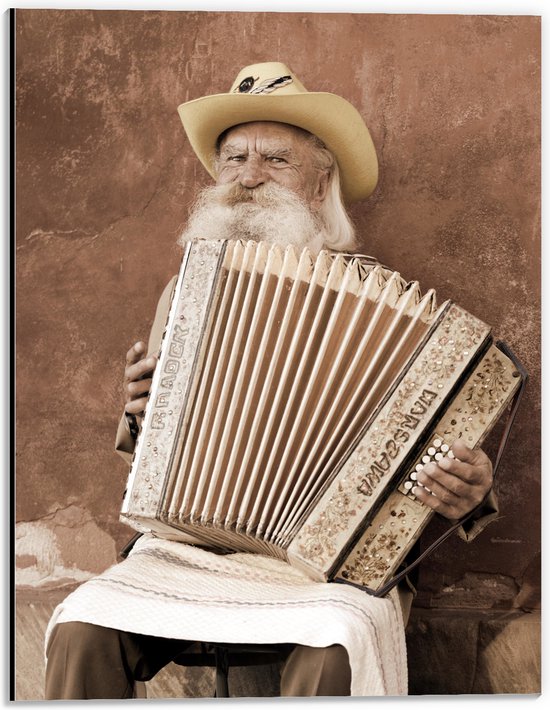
{"x":502,"y":445}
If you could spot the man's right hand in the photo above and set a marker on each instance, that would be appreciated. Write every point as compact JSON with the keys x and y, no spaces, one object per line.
{"x":137,"y":378}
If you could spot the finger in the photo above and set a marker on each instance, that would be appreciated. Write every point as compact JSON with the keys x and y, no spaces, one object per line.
{"x":476,"y":457}
{"x":448,"y":510}
{"x":136,"y":406}
{"x":432,"y":476}
{"x":138,"y":388}
{"x":467,"y":472}
{"x":140,"y":369}
{"x":136,"y":352}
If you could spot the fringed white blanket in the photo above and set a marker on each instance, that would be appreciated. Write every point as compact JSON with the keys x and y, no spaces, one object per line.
{"x":175,"y":590}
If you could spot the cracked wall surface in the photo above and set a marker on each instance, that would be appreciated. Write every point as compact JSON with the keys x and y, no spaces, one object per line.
{"x":62,"y":548}
{"x":104,"y":180}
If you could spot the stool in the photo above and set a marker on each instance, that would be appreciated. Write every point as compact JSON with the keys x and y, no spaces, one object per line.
{"x":223,"y":656}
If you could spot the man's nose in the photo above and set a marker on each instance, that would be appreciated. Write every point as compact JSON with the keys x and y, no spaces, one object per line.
{"x":252,"y":174}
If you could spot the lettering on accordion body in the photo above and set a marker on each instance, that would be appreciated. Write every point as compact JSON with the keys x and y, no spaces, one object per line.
{"x":167,"y":382}
{"x":162,"y":399}
{"x":171,"y":367}
{"x":157,"y":420}
{"x":392,"y":447}
{"x":186,"y":322}
{"x":170,"y":370}
{"x":178,"y":336}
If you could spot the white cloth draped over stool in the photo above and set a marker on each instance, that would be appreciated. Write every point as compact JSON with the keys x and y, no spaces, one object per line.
{"x":175,"y":590}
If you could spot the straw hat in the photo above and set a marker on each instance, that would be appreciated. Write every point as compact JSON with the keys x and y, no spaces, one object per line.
{"x":272,"y":92}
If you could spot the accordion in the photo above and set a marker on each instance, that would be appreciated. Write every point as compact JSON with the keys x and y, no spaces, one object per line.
{"x":294,"y":400}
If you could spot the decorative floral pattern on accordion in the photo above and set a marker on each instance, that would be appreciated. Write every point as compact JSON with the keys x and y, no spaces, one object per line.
{"x":320,"y":538}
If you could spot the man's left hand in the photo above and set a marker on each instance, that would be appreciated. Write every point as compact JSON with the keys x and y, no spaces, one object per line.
{"x":457,"y":484}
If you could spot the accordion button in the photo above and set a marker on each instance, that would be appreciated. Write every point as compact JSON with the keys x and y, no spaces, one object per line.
{"x":431,"y":451}
{"x":419,"y":467}
{"x":437,"y":443}
{"x":408,"y":485}
{"x":444,"y":448}
{"x":413,"y":476}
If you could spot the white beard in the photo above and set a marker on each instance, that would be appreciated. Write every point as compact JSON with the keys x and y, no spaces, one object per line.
{"x":269,"y":213}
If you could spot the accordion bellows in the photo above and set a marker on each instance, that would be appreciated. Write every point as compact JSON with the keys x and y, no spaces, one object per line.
{"x":293,"y":399}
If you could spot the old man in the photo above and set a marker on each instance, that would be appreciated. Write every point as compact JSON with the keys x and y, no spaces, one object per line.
{"x":284,"y":161}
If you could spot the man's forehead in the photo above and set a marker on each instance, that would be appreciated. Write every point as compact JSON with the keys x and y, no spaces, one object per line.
{"x":264,"y":131}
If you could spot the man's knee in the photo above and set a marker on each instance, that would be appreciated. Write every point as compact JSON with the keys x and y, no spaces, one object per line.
{"x":79,"y":638}
{"x":86,"y":661}
{"x":311,"y":671}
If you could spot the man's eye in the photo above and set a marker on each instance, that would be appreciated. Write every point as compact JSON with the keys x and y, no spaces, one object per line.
{"x":235,"y":158}
{"x":276,"y":160}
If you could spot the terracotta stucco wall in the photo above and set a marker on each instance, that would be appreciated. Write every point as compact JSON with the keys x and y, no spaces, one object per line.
{"x":104,"y":180}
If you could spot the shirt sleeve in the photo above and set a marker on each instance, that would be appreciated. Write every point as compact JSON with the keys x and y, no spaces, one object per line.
{"x":485,"y":515}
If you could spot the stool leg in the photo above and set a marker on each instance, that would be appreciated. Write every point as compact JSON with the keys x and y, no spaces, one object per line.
{"x":222,"y":672}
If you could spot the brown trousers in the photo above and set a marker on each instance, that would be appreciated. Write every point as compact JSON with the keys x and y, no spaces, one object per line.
{"x":94,"y":662}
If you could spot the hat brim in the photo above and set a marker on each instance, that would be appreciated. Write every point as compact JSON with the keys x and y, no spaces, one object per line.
{"x":328,"y":116}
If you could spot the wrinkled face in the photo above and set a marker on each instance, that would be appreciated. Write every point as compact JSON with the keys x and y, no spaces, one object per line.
{"x":258,"y":153}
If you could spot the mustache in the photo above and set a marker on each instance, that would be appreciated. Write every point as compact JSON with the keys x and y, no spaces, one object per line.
{"x":232,"y":194}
